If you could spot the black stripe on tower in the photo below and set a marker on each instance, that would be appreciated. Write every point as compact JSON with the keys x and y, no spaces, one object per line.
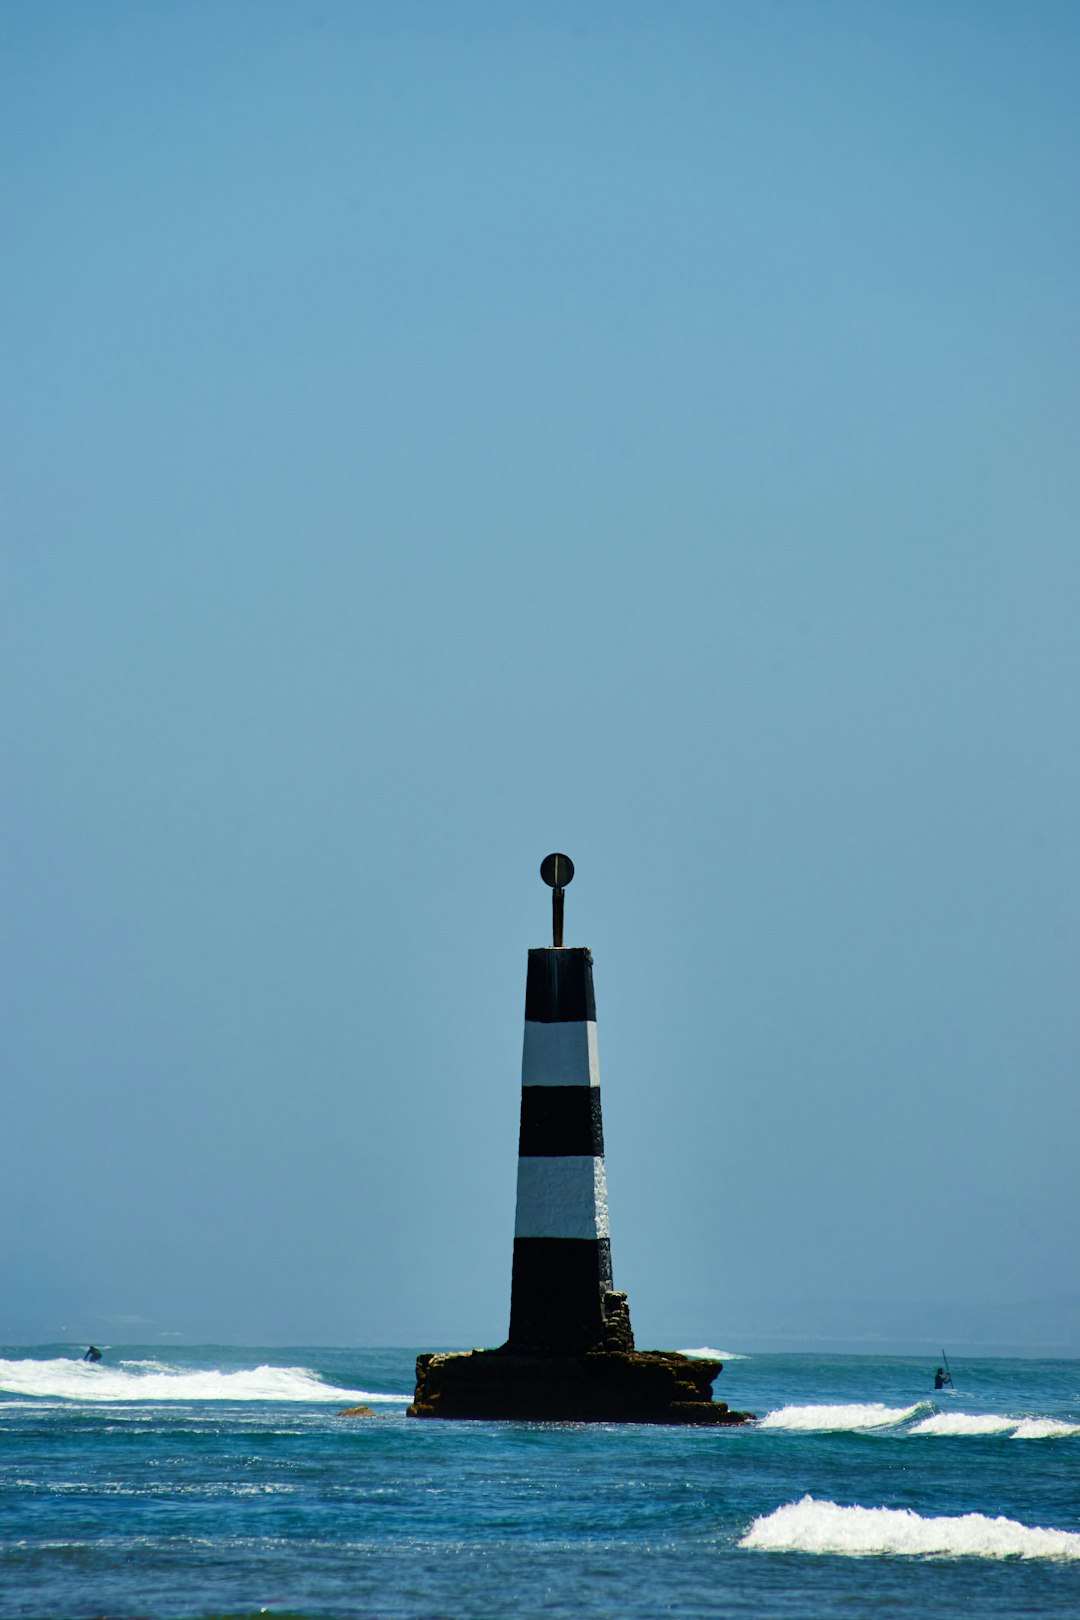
{"x":560,"y":1120}
{"x":559,"y":987}
{"x":558,"y":1288}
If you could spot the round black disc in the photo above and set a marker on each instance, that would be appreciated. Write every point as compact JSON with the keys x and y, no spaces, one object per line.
{"x":556,"y":870}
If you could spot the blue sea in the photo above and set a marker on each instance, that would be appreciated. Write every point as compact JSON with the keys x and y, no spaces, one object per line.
{"x":223,"y":1481}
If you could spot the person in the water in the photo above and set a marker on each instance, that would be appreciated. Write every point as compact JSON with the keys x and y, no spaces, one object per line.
{"x":93,"y":1354}
{"x":941,"y":1378}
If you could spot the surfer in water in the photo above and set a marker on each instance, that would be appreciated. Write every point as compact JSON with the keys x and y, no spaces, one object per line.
{"x":942,"y":1379}
{"x":93,"y":1354}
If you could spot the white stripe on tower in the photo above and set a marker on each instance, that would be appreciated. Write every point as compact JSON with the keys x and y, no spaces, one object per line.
{"x":561,"y":1198}
{"x":560,"y":1054}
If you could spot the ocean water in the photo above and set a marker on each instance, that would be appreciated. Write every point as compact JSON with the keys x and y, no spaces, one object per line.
{"x":223,"y":1481}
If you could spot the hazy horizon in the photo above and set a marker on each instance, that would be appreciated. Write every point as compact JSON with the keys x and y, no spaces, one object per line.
{"x":1019,"y":1328}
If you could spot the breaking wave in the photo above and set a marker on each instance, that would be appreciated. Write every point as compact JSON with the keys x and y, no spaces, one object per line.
{"x":875,"y":1416}
{"x":824,"y":1527}
{"x":1044,"y":1429}
{"x":870,"y":1415}
{"x":965,"y":1423}
{"x":705,"y":1352}
{"x":976,"y":1423}
{"x":158,"y":1381}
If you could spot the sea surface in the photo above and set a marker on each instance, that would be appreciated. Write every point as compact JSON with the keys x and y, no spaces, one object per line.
{"x":223,"y":1481}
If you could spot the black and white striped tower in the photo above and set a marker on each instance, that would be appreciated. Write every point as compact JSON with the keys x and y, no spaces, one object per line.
{"x":561,"y":1296}
{"x":570,"y":1356}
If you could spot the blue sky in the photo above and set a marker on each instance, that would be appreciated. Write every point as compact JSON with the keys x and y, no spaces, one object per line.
{"x":441,"y":434}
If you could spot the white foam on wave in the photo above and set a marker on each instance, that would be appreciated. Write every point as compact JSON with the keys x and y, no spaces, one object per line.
{"x":157,"y":1381}
{"x":1044,"y":1429}
{"x":852,"y":1415}
{"x":705,"y":1352}
{"x":874,"y":1415}
{"x":976,"y":1423}
{"x":965,"y":1423}
{"x":824,"y":1527}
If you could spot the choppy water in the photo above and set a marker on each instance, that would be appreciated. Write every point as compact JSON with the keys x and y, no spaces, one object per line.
{"x":220,"y":1481}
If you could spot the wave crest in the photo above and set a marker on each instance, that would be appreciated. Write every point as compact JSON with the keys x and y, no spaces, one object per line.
{"x":157,"y":1381}
{"x":824,"y":1527}
{"x":873,"y":1415}
{"x":705,"y":1352}
{"x":977,"y":1423}
{"x":851,"y":1415}
{"x":1044,"y":1429}
{"x":965,"y":1423}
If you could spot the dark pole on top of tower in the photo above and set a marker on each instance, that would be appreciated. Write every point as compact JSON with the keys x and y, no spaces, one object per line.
{"x":557,"y":871}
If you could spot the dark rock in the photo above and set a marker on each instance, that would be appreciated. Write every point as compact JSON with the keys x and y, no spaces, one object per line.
{"x":602,"y":1386}
{"x":618,"y":1334}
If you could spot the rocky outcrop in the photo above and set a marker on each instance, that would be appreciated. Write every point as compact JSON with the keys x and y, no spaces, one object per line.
{"x":602,"y":1386}
{"x":618,"y":1334}
{"x":608,"y":1381}
{"x":356,"y":1411}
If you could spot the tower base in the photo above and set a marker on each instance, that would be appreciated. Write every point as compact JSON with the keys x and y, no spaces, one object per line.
{"x":601,"y":1386}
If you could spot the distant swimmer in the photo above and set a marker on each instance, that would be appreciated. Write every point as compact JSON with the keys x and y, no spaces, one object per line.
{"x":93,"y":1354}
